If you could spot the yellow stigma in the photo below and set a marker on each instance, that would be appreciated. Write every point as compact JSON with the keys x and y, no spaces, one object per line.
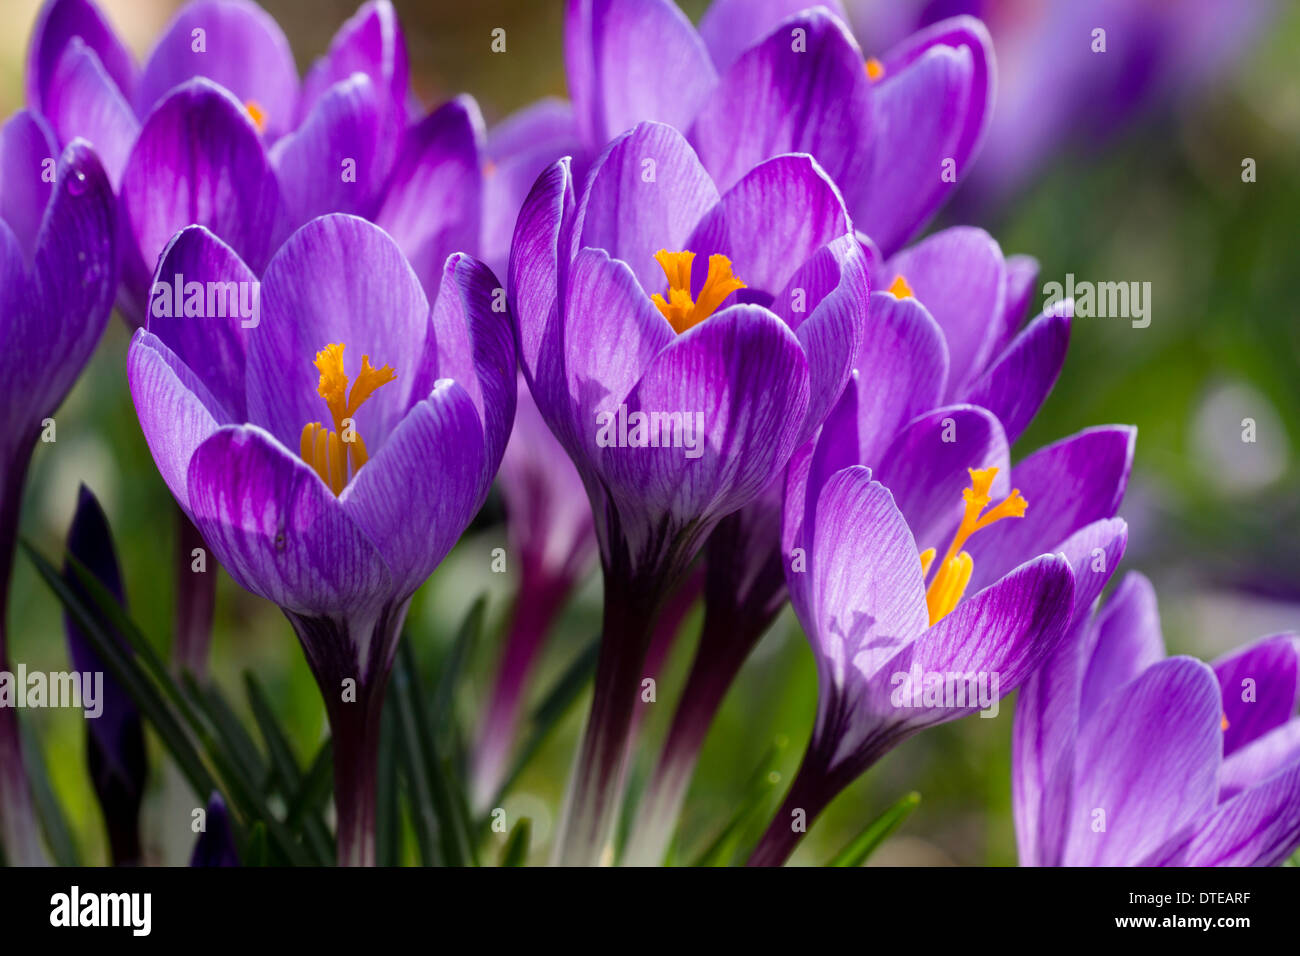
{"x":875,"y":70}
{"x":900,"y":289}
{"x":1223,"y":723}
{"x":681,"y":311}
{"x":256,"y":114}
{"x":339,"y":454}
{"x":954,"y":571}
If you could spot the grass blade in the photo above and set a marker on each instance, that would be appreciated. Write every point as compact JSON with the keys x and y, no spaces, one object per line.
{"x":865,"y":843}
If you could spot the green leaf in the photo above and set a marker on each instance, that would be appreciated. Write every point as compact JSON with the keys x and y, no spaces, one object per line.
{"x":515,"y":852}
{"x":54,"y":824}
{"x":866,"y":842}
{"x":752,"y":808}
{"x":316,"y":787}
{"x":562,"y":695}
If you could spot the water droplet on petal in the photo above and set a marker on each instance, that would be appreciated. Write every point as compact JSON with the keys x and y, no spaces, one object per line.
{"x":77,"y":183}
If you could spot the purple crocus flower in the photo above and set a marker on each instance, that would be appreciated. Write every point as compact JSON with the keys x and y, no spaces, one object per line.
{"x":622,"y":334}
{"x":1056,"y":87}
{"x":115,"y":739}
{"x":936,"y":567}
{"x":896,"y":134}
{"x":553,"y":539}
{"x":1123,"y":757}
{"x":947,"y":336}
{"x":216,"y":844}
{"x":337,"y":523}
{"x":217,"y":130}
{"x":58,"y":253}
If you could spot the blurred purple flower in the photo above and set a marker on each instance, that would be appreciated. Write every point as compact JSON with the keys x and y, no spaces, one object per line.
{"x":115,"y":739}
{"x":747,"y":382}
{"x":761,"y":79}
{"x":1054,"y":88}
{"x":1123,"y":757}
{"x":946,"y":338}
{"x":216,"y":844}
{"x":338,"y":523}
{"x":881,"y":603}
{"x":58,"y":254}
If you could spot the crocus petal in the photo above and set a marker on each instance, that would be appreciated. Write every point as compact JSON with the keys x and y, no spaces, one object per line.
{"x":61,"y":21}
{"x":730,"y":27}
{"x":772,"y":221}
{"x":215,"y":846}
{"x":742,"y":374}
{"x":633,"y":60}
{"x":1094,"y":552}
{"x":75,"y":272}
{"x":1022,"y":276}
{"x":1258,"y":827}
{"x":1005,"y":632}
{"x":802,"y":90}
{"x":646,"y":192}
{"x":234,"y":43}
{"x":1260,"y":686}
{"x":539,"y":263}
{"x":330,"y":163}
{"x":834,"y":285}
{"x":865,"y":597}
{"x":1256,"y":761}
{"x":1070,"y":484}
{"x":84,"y":101}
{"x":199,"y":161}
{"x":278,"y":529}
{"x":1128,"y":641}
{"x":926,"y":468}
{"x":960,"y":277}
{"x":370,"y":42}
{"x":177,"y":412}
{"x":612,"y":334}
{"x":1148,"y":760}
{"x":313,"y":295}
{"x":902,"y":370}
{"x":419,"y":493}
{"x":440,"y":156}
{"x":214,"y":345}
{"x":1016,"y":384}
{"x":519,"y":149}
{"x":27,"y":148}
{"x":473,"y":343}
{"x":918,"y":121}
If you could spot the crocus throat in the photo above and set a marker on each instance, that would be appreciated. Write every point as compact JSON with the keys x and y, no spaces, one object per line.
{"x":256,"y":114}
{"x":953,"y":573}
{"x":875,"y":70}
{"x":681,"y":311}
{"x":339,"y":454}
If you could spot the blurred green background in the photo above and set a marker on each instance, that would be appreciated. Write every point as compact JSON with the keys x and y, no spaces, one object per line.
{"x":1215,"y":522}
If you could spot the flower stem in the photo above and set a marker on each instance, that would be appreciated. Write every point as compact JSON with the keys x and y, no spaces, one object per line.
{"x":19,"y":829}
{"x":195,"y":598}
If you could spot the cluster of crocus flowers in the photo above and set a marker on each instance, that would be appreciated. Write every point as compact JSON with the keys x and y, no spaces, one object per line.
{"x":58,"y":259}
{"x":340,"y":531}
{"x":1123,"y":757}
{"x":742,"y":387}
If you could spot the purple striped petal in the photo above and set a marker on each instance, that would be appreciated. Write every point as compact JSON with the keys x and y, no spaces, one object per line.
{"x":237,"y":45}
{"x":1256,"y":761}
{"x":370,"y":42}
{"x":441,"y":156}
{"x":630,"y":61}
{"x":418,"y":494}
{"x":646,"y":192}
{"x":313,"y":295}
{"x":213,"y":345}
{"x":198,"y":161}
{"x":27,"y":148}
{"x":1022,"y":278}
{"x":1094,"y":552}
{"x":59,"y":22}
{"x":1261,"y":684}
{"x":279,"y":530}
{"x":331,"y":162}
{"x":1015,"y":386}
{"x":730,"y":27}
{"x":802,"y":90}
{"x":1070,"y":484}
{"x":1147,"y":762}
{"x":1128,"y":641}
{"x":84,"y":101}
